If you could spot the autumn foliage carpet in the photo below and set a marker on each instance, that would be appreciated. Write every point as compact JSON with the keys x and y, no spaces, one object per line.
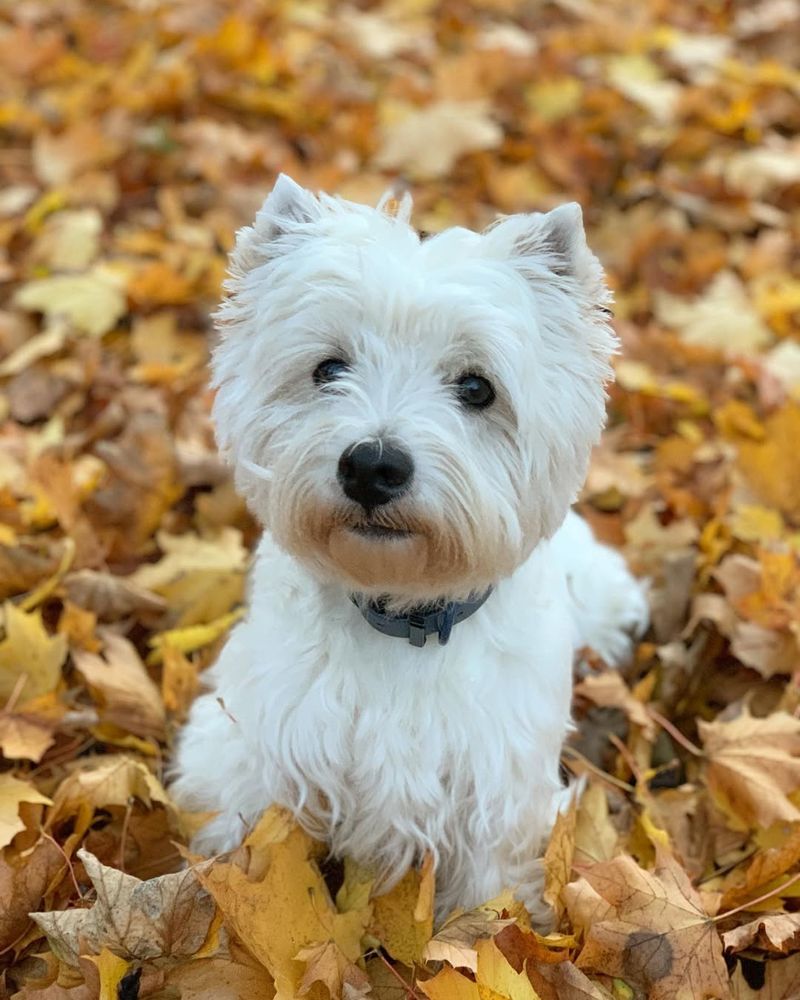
{"x":135,"y":136}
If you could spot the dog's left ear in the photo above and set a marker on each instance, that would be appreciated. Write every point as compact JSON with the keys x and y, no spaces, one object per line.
{"x":553,"y":240}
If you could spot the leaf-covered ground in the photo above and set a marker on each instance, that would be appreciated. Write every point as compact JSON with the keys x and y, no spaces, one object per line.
{"x":135,"y":136}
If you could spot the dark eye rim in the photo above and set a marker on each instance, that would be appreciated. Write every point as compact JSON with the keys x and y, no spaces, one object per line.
{"x":328,"y":370}
{"x":484,"y":399}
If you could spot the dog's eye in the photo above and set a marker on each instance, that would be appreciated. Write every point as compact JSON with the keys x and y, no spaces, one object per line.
{"x":474,"y":391}
{"x":329,"y":370}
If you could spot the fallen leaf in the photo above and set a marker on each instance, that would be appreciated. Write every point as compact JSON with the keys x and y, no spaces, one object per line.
{"x":777,"y":932}
{"x":277,"y":902}
{"x":723,"y":317}
{"x":110,"y":969}
{"x":752,"y":766}
{"x":657,"y":937}
{"x":128,"y":697}
{"x":28,"y":655}
{"x":327,"y":964}
{"x":111,"y":597}
{"x":454,"y":942}
{"x":403,"y":917}
{"x":770,"y":466}
{"x":93,"y":302}
{"x":427,"y":143}
{"x":165,"y":917}
{"x":106,"y":781}
{"x":13,"y":792}
{"x":558,"y":857}
{"x":24,"y":877}
{"x":781,"y":981}
{"x":609,"y":690}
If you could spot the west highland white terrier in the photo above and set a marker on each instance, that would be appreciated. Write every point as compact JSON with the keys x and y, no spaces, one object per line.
{"x":410,"y":420}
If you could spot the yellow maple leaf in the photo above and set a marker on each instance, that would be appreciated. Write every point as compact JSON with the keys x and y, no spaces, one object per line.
{"x":12,"y":793}
{"x":403,"y":920}
{"x":28,"y":655}
{"x":274,"y":898}
{"x":93,"y":302}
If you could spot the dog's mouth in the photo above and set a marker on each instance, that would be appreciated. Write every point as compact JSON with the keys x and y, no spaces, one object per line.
{"x":378,"y":532}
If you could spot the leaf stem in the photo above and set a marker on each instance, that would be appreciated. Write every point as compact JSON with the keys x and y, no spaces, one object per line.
{"x":674,"y":732}
{"x":755,"y":902}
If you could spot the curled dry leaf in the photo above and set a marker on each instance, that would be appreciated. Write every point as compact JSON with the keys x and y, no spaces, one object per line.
{"x":454,"y":942}
{"x":112,"y":597}
{"x":778,"y":932}
{"x":165,"y":917}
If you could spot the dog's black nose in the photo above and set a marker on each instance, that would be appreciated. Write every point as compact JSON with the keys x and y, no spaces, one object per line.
{"x":373,"y":473}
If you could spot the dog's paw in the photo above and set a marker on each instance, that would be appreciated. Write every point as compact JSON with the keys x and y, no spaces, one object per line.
{"x":621,"y":617}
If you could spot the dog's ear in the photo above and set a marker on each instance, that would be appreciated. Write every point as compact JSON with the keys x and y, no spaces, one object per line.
{"x":553,"y":242}
{"x":288,"y":206}
{"x":284,"y":219}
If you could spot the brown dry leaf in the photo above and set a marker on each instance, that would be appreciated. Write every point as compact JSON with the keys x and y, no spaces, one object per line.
{"x":326,"y":964}
{"x":448,"y":984}
{"x":781,"y":981}
{"x":778,"y":932}
{"x":426,"y":143}
{"x":13,"y":793}
{"x":609,"y":690}
{"x":128,"y":697}
{"x":28,"y":652}
{"x":753,"y":765}
{"x":24,"y":877}
{"x":585,"y":906}
{"x":766,"y":650}
{"x":220,"y":979}
{"x":276,"y":901}
{"x":767,"y":865}
{"x":564,"y":981}
{"x":658,"y":938}
{"x":112,"y":597}
{"x":23,"y":738}
{"x":403,"y":917}
{"x":454,"y":942}
{"x":723,"y":317}
{"x":106,"y":781}
{"x":165,"y":917}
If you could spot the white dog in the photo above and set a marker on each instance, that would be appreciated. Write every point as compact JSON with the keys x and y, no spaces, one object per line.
{"x":410,"y":421}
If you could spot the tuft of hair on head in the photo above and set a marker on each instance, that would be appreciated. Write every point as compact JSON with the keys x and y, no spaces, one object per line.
{"x":397,"y":203}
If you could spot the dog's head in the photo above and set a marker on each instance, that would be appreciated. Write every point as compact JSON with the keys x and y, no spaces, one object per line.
{"x":410,"y":417}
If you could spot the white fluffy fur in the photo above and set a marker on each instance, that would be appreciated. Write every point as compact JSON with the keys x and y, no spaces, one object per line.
{"x":382,"y":749}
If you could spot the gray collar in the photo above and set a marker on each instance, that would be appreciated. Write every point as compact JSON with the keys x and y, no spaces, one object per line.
{"x":420,"y":622}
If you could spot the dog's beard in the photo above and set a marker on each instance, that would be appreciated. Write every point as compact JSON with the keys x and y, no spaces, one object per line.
{"x":393,"y":552}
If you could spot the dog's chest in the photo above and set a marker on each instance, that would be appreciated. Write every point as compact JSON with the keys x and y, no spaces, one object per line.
{"x":389,"y":746}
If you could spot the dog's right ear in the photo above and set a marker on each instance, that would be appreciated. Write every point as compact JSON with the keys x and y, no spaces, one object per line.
{"x":284,"y":219}
{"x":288,"y":206}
